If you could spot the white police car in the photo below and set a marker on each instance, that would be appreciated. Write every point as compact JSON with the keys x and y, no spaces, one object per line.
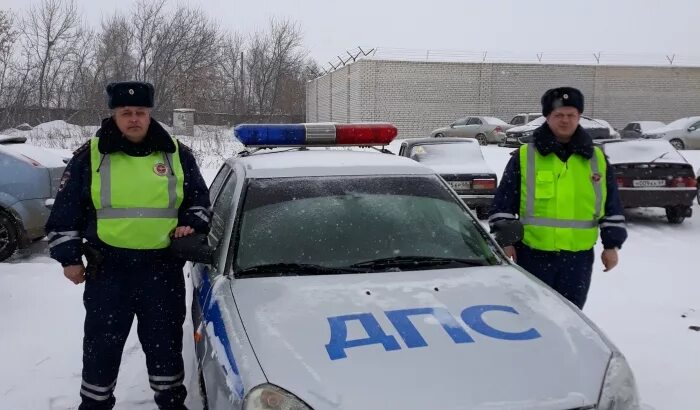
{"x":357,"y":280}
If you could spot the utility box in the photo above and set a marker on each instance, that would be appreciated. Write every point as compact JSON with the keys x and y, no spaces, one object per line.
{"x":183,"y":121}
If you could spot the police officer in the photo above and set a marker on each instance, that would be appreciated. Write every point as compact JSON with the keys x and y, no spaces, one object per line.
{"x":563,"y":191}
{"x":124,"y":195}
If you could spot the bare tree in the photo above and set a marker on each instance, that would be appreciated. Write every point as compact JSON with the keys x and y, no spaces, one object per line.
{"x":48,"y":28}
{"x":269,"y":56}
{"x":230,"y":63}
{"x":8,"y":35}
{"x":147,"y":17}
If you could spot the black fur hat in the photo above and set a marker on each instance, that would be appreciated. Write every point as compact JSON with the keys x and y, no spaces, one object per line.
{"x":130,"y":93}
{"x":561,"y":97}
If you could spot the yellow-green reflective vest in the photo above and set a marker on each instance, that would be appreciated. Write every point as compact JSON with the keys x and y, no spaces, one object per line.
{"x":561,"y":202}
{"x":136,"y":198}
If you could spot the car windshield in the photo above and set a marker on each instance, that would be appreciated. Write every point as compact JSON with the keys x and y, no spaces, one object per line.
{"x":642,"y":151}
{"x":449,"y":153}
{"x":369,"y":223}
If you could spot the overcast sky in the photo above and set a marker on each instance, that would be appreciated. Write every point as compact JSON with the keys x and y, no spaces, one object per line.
{"x":584,"y":26}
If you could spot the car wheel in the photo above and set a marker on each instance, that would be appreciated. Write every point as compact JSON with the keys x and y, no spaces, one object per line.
{"x":676,"y":214}
{"x":9,"y":239}
{"x":677,"y":144}
{"x":482,"y":139}
{"x":439,"y":135}
{"x":202,"y":389}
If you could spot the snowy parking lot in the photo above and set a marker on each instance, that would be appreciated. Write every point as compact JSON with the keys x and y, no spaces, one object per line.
{"x":645,"y":305}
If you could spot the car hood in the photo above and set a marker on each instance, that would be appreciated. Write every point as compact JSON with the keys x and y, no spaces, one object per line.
{"x":545,"y":356}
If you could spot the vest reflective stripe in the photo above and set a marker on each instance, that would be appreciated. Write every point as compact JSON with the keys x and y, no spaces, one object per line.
{"x":136,"y":198}
{"x":550,"y":222}
{"x":118,"y":213}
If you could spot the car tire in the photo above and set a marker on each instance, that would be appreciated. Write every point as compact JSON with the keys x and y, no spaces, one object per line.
{"x":675,"y":214}
{"x":439,"y":135}
{"x":9,"y":237}
{"x":677,"y":143}
{"x":202,"y":388}
{"x":482,"y":139}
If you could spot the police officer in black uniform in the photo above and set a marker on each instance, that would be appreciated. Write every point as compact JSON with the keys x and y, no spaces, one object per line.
{"x":124,"y":195}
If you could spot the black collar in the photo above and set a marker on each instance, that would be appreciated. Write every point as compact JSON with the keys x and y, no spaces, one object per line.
{"x":112,"y":140}
{"x":546,"y":143}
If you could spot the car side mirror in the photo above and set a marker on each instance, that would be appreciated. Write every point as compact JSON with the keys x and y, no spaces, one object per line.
{"x":691,"y":129}
{"x":194,"y":248}
{"x":508,"y":232}
{"x":452,"y":125}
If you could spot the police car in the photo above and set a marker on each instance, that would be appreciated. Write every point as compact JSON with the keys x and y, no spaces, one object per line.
{"x":339,"y":279}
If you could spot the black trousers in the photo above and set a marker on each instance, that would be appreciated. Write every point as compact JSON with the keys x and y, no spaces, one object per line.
{"x":122,"y":288}
{"x":569,"y":273}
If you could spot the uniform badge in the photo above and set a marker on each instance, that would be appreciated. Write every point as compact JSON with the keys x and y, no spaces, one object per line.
{"x":64,"y":181}
{"x":596,"y":177}
{"x":160,"y":169}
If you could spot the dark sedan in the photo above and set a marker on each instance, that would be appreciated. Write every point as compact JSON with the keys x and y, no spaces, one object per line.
{"x":461,"y":164}
{"x":651,"y":173}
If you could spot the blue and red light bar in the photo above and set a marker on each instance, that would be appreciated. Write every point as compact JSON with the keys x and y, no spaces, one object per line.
{"x":309,"y":134}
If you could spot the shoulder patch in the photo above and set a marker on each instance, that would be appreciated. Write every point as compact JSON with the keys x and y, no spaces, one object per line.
{"x":82,"y":148}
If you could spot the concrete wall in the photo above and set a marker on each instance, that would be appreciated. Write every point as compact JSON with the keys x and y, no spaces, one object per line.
{"x":421,"y":96}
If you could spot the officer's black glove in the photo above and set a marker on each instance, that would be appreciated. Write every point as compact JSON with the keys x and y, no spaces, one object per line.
{"x":508,"y":232}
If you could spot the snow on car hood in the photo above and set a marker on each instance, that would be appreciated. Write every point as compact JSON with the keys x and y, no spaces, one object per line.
{"x":399,"y":340}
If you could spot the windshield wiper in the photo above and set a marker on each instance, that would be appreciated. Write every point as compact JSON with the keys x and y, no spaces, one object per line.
{"x":659,"y":157}
{"x":296,"y":269}
{"x":418,"y":262}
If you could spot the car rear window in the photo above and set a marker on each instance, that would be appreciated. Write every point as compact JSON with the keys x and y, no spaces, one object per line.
{"x":642,"y":151}
{"x":341,"y":221}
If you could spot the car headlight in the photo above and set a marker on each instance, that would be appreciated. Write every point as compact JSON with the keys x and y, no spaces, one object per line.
{"x":619,"y":388}
{"x":527,"y":134}
{"x":270,"y":397}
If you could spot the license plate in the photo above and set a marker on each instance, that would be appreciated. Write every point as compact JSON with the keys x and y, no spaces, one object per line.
{"x":644,"y":183}
{"x":460,"y":185}
{"x":511,"y":139}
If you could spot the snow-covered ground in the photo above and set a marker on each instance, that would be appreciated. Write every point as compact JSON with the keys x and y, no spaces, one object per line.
{"x":645,"y":306}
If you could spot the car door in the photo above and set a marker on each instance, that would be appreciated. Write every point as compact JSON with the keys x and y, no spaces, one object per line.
{"x":211,"y":300}
{"x":457,"y":128}
{"x":474,"y":126}
{"x":693,"y":136}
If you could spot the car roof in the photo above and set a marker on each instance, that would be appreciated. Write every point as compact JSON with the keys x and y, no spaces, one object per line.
{"x":327,"y":162}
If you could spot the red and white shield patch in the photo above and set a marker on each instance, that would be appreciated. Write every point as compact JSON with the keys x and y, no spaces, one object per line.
{"x":160,"y":169}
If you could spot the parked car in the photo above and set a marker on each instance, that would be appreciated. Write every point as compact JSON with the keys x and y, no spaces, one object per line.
{"x":698,"y":184}
{"x":522,"y":119}
{"x":652,"y":173}
{"x":518,"y":136}
{"x":461,"y":164}
{"x":29,"y":179}
{"x":486,"y":130}
{"x":337,"y":279}
{"x":636,"y":129}
{"x":683,"y":133}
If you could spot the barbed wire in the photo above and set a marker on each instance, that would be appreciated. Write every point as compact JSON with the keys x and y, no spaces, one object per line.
{"x":515,"y":57}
